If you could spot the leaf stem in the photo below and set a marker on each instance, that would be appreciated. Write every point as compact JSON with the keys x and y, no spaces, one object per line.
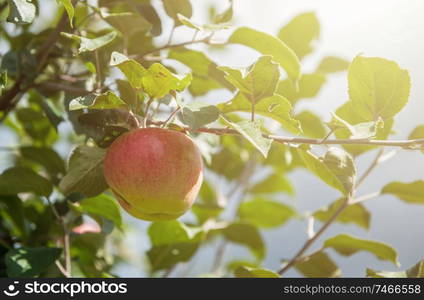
{"x":171,"y":116}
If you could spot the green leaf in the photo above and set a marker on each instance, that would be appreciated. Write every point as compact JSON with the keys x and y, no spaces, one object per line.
{"x":363,"y":130}
{"x":378,"y":88}
{"x":3,"y":80}
{"x":261,"y":79}
{"x":159,"y":81}
{"x":341,"y":164}
{"x":107,"y":100}
{"x":276,"y":107}
{"x":67,"y":4}
{"x":385,"y":274}
{"x":275,"y":183}
{"x":21,"y":12}
{"x":300,"y":33}
{"x":248,"y":272}
{"x":23,"y":180}
{"x":172,"y":232}
{"x":321,"y":170}
{"x":311,"y":124}
{"x":85,"y":172}
{"x":408,"y":192}
{"x":30,"y":262}
{"x":175,"y":7}
{"x":318,"y":265}
{"x":347,"y":245}
{"x":265,"y":213}
{"x":417,"y":133}
{"x":46,"y":157}
{"x":416,"y":271}
{"x":103,"y":206}
{"x":308,"y":87}
{"x":132,"y":70}
{"x":198,"y":114}
{"x":355,"y":214}
{"x":252,"y":132}
{"x":225,"y":16}
{"x":172,"y":242}
{"x":269,"y":45}
{"x":347,"y":113}
{"x":248,"y":235}
{"x":206,"y":75}
{"x":205,"y":27}
{"x":332,"y":64}
{"x":87,"y":45}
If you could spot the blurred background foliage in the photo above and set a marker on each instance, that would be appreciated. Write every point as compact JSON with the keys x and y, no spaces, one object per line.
{"x":62,"y":96}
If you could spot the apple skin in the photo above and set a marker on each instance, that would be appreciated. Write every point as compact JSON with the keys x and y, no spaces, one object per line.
{"x":154,"y":173}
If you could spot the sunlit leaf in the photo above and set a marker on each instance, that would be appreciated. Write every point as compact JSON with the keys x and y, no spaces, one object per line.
{"x":175,"y":7}
{"x":252,"y":132}
{"x":318,"y":265}
{"x":107,"y":100}
{"x":341,"y":164}
{"x":103,"y":206}
{"x":354,"y":214}
{"x":312,"y":125}
{"x":308,"y":87}
{"x":275,"y":183}
{"x":300,"y":33}
{"x":332,"y":64}
{"x":248,"y":272}
{"x":248,"y":235}
{"x":133,"y":70}
{"x":417,"y":133}
{"x":259,"y":82}
{"x":67,"y":4}
{"x":321,"y":170}
{"x":198,"y":114}
{"x":276,"y":107}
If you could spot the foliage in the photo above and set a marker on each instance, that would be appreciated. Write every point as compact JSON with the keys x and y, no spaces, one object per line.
{"x":98,"y":71}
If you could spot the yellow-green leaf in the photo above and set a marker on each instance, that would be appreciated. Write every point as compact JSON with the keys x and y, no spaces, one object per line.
{"x":269,"y":45}
{"x":86,"y":44}
{"x":301,"y":33}
{"x":378,"y":88}
{"x":409,"y":192}
{"x":318,"y":265}
{"x":106,"y":100}
{"x":275,"y":107}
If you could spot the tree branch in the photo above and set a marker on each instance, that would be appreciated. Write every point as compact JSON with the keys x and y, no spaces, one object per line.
{"x":416,"y":144}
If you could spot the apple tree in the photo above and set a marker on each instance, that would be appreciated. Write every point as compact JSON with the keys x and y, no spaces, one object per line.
{"x":97,"y":73}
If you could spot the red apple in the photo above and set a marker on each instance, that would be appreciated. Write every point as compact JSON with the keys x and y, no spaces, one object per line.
{"x":154,"y":173}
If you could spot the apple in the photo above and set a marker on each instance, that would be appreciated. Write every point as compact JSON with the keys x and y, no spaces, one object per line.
{"x":154,"y":173}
